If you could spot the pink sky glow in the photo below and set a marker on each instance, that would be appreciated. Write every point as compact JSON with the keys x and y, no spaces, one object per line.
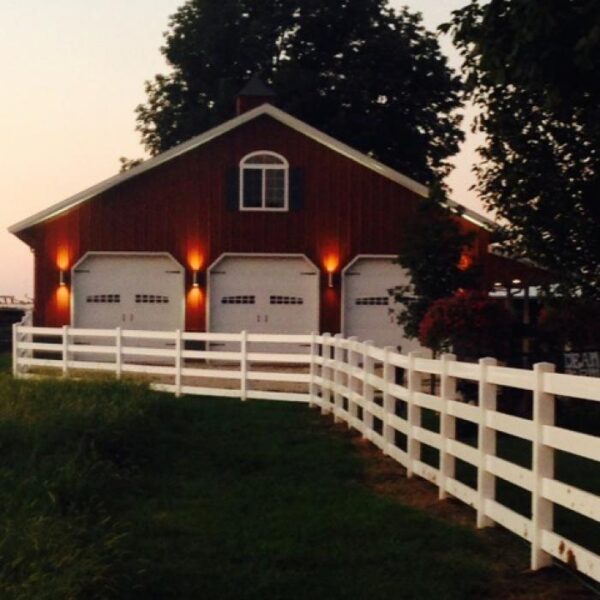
{"x":73,"y":73}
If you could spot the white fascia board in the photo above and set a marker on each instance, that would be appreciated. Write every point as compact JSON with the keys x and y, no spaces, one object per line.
{"x":207,"y":136}
{"x":151,"y":163}
{"x":347,"y":151}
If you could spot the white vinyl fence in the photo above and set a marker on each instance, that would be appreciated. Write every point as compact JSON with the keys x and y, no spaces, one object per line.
{"x":358,"y":384}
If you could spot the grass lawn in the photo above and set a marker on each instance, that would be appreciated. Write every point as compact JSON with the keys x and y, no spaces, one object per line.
{"x":111,"y":491}
{"x":5,"y":362}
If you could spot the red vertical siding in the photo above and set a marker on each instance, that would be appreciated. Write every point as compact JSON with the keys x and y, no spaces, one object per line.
{"x":179,"y":207}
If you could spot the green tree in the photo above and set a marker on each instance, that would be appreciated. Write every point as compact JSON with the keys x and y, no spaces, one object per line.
{"x":436,"y":252}
{"x":362,"y":72}
{"x":532,"y":67}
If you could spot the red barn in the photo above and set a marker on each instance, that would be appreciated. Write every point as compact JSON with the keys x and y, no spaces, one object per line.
{"x":263,"y":223}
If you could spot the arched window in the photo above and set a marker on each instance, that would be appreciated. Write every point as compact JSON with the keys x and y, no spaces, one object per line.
{"x":264,"y":182}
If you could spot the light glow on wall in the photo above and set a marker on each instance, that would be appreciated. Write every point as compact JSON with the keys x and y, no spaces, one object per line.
{"x":195,"y":298}
{"x":63,"y":259}
{"x":331,"y":263}
{"x":63,"y":298}
{"x":195,"y":260}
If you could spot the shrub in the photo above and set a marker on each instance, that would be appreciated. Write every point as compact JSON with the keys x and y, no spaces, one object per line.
{"x":469,"y":323}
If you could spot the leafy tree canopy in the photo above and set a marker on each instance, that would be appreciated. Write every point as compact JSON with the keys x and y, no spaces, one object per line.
{"x":362,"y":72}
{"x":533,"y":69}
{"x":436,"y":252}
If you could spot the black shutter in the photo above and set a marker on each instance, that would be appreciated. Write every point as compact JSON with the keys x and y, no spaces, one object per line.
{"x":297,"y":191}
{"x":232,"y":189}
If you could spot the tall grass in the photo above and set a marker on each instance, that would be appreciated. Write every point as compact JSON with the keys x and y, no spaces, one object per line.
{"x":69,"y":453}
{"x":111,"y":491}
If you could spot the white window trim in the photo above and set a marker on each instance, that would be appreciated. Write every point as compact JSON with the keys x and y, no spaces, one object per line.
{"x":285,"y":167}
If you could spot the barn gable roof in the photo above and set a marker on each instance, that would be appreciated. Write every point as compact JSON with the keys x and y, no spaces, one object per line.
{"x":207,"y":136}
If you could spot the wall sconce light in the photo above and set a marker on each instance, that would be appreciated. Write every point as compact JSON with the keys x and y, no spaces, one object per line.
{"x":195,"y":279}
{"x":61,"y":278}
{"x":331,"y":263}
{"x":330,"y":279}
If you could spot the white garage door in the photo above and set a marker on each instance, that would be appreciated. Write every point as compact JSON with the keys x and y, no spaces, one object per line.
{"x":367,"y":302}
{"x":264,"y":295}
{"x":131,"y":291}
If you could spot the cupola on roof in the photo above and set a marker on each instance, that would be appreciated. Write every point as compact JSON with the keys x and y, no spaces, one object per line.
{"x":253,"y":94}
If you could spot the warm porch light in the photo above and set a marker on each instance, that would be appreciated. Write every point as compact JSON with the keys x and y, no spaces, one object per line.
{"x":195,"y":298}
{"x":465,"y":262}
{"x":195,"y":279}
{"x":331,"y":264}
{"x":195,"y":260}
{"x":61,"y":278}
{"x":63,"y":298}
{"x":62,"y":259}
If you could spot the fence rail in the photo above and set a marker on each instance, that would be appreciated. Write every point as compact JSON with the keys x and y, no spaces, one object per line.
{"x":358,"y":384}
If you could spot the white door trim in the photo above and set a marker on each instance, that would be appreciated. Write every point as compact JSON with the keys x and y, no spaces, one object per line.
{"x":127,"y":253}
{"x":343,"y":290}
{"x":225,"y":255}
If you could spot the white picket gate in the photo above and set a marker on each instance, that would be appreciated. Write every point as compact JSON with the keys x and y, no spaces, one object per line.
{"x":356,"y":382}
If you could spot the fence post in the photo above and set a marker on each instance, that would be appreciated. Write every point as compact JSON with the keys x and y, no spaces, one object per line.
{"x":178,"y":365}
{"x":118,"y":352}
{"x":65,"y":350}
{"x":368,"y":390}
{"x":447,"y":424}
{"x":486,"y":442}
{"x":355,"y":388}
{"x":312,"y":395}
{"x":389,"y":402}
{"x":244,"y":365}
{"x":15,"y":349}
{"x":543,"y":466}
{"x":413,"y":446}
{"x":326,"y":375}
{"x":338,"y":402}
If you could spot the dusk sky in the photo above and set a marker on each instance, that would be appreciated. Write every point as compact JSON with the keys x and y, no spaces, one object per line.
{"x":73,"y":72}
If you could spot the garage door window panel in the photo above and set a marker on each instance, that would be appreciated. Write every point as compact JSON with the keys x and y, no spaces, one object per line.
{"x":103,"y":299}
{"x":264,"y":182}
